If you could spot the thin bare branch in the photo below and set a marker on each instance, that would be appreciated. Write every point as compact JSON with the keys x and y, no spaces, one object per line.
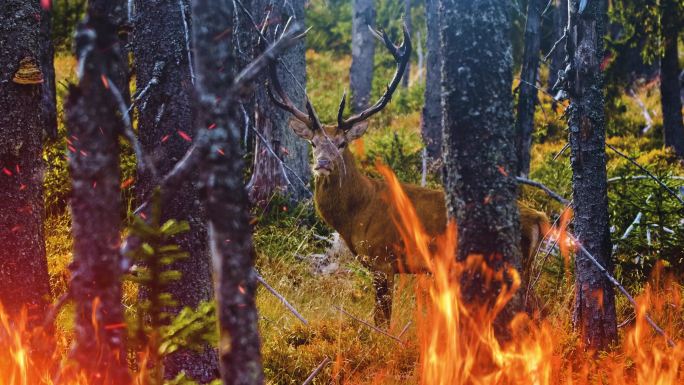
{"x":371,"y":326}
{"x":543,"y":187}
{"x":281,"y":298}
{"x":642,"y":168}
{"x":318,"y":369}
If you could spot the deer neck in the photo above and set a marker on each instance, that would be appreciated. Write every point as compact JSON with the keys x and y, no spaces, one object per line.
{"x":343,"y":194}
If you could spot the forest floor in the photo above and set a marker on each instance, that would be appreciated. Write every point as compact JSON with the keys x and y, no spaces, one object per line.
{"x":290,"y":245}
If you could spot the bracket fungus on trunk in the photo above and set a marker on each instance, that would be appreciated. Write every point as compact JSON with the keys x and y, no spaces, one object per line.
{"x":28,"y":73}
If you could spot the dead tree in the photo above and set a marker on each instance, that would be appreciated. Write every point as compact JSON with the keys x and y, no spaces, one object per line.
{"x":431,"y":122}
{"x":225,"y":198}
{"x":275,"y":141}
{"x":527,"y":97}
{"x":479,"y":147}
{"x":94,"y":121}
{"x":560,"y":21}
{"x":166,"y":128}
{"x":363,"y":54}
{"x":594,"y":298}
{"x":408,"y":22}
{"x":671,"y":12}
{"x":23,"y":268}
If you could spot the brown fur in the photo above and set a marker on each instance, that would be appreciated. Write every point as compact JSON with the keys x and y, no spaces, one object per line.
{"x":352,"y":204}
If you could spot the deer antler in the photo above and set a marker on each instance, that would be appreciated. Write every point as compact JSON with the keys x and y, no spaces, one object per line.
{"x":401,"y":55}
{"x":310,"y":118}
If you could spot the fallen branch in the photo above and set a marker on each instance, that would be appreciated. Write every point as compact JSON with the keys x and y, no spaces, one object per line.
{"x":638,"y":177}
{"x":642,"y":168}
{"x":281,"y":298}
{"x":318,"y":369}
{"x":543,"y":187}
{"x":404,"y":330}
{"x":622,"y":290}
{"x":372,"y":327}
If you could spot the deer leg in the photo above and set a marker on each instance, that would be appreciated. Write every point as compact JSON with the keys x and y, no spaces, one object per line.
{"x":383,"y":282}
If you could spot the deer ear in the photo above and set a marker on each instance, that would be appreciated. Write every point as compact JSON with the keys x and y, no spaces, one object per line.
{"x":356,"y":131}
{"x":301,"y":129}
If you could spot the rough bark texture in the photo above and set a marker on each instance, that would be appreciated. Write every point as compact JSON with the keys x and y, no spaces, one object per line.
{"x":116,"y":11}
{"x":273,"y":123}
{"x":166,"y":110}
{"x":673,"y":127}
{"x":409,"y":26}
{"x":560,"y":21}
{"x":479,"y":150}
{"x":431,"y":123}
{"x":23,"y":267}
{"x":47,"y":62}
{"x":94,"y":124}
{"x":226,"y":200}
{"x":527,"y":97}
{"x":594,"y":298}
{"x":363,"y":54}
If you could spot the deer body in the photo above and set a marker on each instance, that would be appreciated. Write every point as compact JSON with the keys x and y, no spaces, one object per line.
{"x":355,"y":205}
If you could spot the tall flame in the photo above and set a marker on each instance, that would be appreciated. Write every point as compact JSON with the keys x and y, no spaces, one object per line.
{"x":457,"y":341}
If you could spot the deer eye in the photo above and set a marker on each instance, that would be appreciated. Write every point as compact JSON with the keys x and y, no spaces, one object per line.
{"x":312,"y":144}
{"x":342,"y":145}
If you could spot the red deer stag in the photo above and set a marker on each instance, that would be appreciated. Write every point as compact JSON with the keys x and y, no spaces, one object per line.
{"x":353,"y":203}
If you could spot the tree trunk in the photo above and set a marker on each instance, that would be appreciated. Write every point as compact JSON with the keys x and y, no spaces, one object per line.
{"x":594,"y":298}
{"x":479,"y":148}
{"x":431,"y":123}
{"x":671,"y":103}
{"x":167,"y":111}
{"x":268,"y":177}
{"x":363,"y":54}
{"x":48,"y":67}
{"x":226,"y":201}
{"x":24,"y":278}
{"x":409,"y":26}
{"x":94,"y":123}
{"x":560,"y":21}
{"x":527,"y":98}
{"x":117,"y":12}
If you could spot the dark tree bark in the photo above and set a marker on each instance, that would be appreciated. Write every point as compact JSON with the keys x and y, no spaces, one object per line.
{"x":268,"y":177}
{"x":560,"y":22}
{"x":23,"y":268}
{"x":165,"y":112}
{"x":527,"y":97}
{"x":479,"y":150}
{"x":363,"y":54}
{"x":431,"y":123}
{"x":226,"y":200}
{"x":48,"y":67}
{"x":94,"y":124}
{"x":594,"y":298}
{"x":117,"y":12}
{"x":671,"y":103}
{"x":409,"y":26}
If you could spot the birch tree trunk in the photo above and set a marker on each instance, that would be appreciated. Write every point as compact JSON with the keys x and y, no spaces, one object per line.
{"x":431,"y":122}
{"x":594,"y":298}
{"x":93,"y":117}
{"x":166,"y":112}
{"x":527,"y":98}
{"x":226,"y":201}
{"x":363,"y":54}
{"x":479,"y":155}
{"x":23,"y":268}
{"x":671,"y":103}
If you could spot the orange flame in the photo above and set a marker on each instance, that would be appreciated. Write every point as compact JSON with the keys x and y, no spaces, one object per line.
{"x":457,"y":341}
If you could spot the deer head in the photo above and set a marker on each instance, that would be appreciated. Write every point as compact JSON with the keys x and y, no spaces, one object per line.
{"x":330,"y":140}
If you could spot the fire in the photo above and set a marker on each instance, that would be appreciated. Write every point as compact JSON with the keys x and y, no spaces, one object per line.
{"x":457,"y":341}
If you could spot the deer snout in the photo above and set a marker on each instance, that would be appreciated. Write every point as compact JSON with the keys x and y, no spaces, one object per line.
{"x":323,"y":164}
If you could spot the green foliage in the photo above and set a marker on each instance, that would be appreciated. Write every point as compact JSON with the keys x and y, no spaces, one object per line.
{"x":395,"y":151}
{"x":152,"y":327}
{"x":66,"y":15}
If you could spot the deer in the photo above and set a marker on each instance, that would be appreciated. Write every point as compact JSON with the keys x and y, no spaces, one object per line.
{"x":352,"y":203}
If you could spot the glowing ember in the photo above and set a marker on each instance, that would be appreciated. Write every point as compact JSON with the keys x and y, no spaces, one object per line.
{"x":457,"y":342}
